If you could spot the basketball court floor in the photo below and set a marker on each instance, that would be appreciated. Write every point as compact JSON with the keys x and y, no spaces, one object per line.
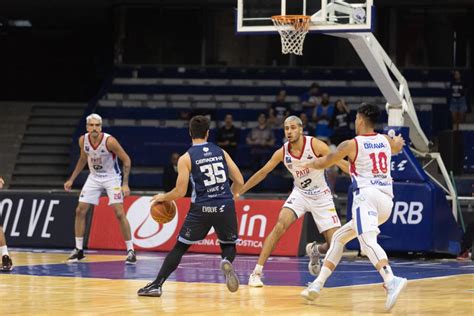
{"x":41,"y":283}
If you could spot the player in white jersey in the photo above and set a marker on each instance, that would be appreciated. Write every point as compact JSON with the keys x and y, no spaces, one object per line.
{"x":6,"y":264}
{"x":310,"y":194}
{"x":369,"y":154}
{"x":101,"y":151}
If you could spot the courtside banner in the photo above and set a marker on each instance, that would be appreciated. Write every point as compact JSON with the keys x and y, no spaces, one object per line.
{"x":38,"y":219}
{"x":256,"y":219}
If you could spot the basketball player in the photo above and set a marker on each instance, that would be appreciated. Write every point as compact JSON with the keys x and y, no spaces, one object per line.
{"x":370,"y":157}
{"x":100,"y":151}
{"x":7,"y":264}
{"x":310,"y":194}
{"x":212,"y":204}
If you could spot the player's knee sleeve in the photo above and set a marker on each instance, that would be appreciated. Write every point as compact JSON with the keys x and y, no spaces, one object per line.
{"x":339,"y":239}
{"x":228,"y":251}
{"x":369,"y":245}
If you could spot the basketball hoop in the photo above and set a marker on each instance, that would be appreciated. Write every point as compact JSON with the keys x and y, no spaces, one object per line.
{"x":292,"y":30}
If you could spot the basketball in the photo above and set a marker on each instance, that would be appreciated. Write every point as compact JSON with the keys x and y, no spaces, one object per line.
{"x":163,"y":212}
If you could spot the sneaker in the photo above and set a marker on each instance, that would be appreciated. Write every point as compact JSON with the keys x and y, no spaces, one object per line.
{"x":231,"y":279}
{"x":7,"y":264}
{"x":255,"y":279}
{"x":312,"y":291}
{"x":151,"y":289}
{"x":394,"y":288}
{"x":131,"y":257}
{"x":76,"y":255}
{"x":314,"y":264}
{"x":463,"y":255}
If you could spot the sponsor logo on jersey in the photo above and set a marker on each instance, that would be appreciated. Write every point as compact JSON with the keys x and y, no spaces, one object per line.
{"x":205,"y":149}
{"x":287,"y":159}
{"x":87,"y":148}
{"x":302,"y":173}
{"x":309,"y":157}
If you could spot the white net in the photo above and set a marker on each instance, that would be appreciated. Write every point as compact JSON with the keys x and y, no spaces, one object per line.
{"x":292,"y":30}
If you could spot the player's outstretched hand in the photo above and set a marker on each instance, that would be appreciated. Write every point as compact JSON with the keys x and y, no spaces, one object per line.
{"x":399,"y":140}
{"x":68,"y":185}
{"x":126,"y":190}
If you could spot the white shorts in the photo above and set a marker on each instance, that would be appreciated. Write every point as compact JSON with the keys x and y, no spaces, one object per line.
{"x":321,"y":207}
{"x":370,"y":208}
{"x":94,"y":186}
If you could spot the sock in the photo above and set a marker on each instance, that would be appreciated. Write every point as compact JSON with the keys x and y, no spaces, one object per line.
{"x":4,"y":250}
{"x":171,"y":262}
{"x":228,"y":251}
{"x":386,"y":273}
{"x":129,"y":244}
{"x":79,"y":242}
{"x":323,"y":275}
{"x":258,"y":269}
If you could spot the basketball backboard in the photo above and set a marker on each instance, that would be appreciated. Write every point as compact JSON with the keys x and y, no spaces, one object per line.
{"x":327,"y":16}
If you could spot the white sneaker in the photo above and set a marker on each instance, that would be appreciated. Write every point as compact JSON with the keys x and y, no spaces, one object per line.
{"x":312,"y":291}
{"x":394,"y":288}
{"x":314,"y":264}
{"x":255,"y":280}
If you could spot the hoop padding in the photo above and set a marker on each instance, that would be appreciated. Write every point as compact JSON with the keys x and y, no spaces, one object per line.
{"x":292,"y":30}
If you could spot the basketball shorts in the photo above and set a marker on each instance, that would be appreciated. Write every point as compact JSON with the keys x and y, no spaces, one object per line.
{"x":94,"y":187}
{"x":202,"y":217}
{"x":370,"y":208}
{"x":321,"y":208}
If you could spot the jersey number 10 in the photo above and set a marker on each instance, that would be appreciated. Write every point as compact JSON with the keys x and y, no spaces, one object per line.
{"x":215,"y":173}
{"x":382,"y":162}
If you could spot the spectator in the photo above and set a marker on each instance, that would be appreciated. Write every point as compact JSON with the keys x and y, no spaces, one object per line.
{"x":261,"y":140}
{"x":279,"y":110}
{"x":310,"y":99}
{"x":170,"y":174}
{"x":340,"y":123}
{"x":322,"y":116}
{"x":228,"y":136}
{"x":308,"y":129}
{"x":457,"y":102}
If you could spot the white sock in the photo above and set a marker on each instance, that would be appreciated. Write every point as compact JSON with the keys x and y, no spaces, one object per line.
{"x":323,"y":275}
{"x":258,"y":269}
{"x":129,"y":244}
{"x":79,"y":242}
{"x":4,"y":250}
{"x":386,"y":273}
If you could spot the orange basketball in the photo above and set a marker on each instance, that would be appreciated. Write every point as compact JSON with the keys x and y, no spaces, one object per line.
{"x":163,"y":212}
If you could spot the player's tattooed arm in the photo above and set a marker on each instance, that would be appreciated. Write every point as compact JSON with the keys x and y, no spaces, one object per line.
{"x":322,"y":149}
{"x":345,"y":149}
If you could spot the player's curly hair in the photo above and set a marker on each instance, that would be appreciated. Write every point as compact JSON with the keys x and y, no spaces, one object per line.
{"x":370,"y":112}
{"x":198,"y":126}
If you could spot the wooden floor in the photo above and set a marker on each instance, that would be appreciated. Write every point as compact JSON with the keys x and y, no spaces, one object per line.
{"x":41,"y":295}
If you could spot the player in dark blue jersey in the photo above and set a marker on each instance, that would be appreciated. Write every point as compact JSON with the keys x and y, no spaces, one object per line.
{"x":209,"y":169}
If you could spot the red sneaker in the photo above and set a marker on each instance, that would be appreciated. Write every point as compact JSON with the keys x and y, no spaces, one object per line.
{"x":463,"y":255}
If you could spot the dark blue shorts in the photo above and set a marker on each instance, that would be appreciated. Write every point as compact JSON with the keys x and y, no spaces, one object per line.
{"x":202,"y":217}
